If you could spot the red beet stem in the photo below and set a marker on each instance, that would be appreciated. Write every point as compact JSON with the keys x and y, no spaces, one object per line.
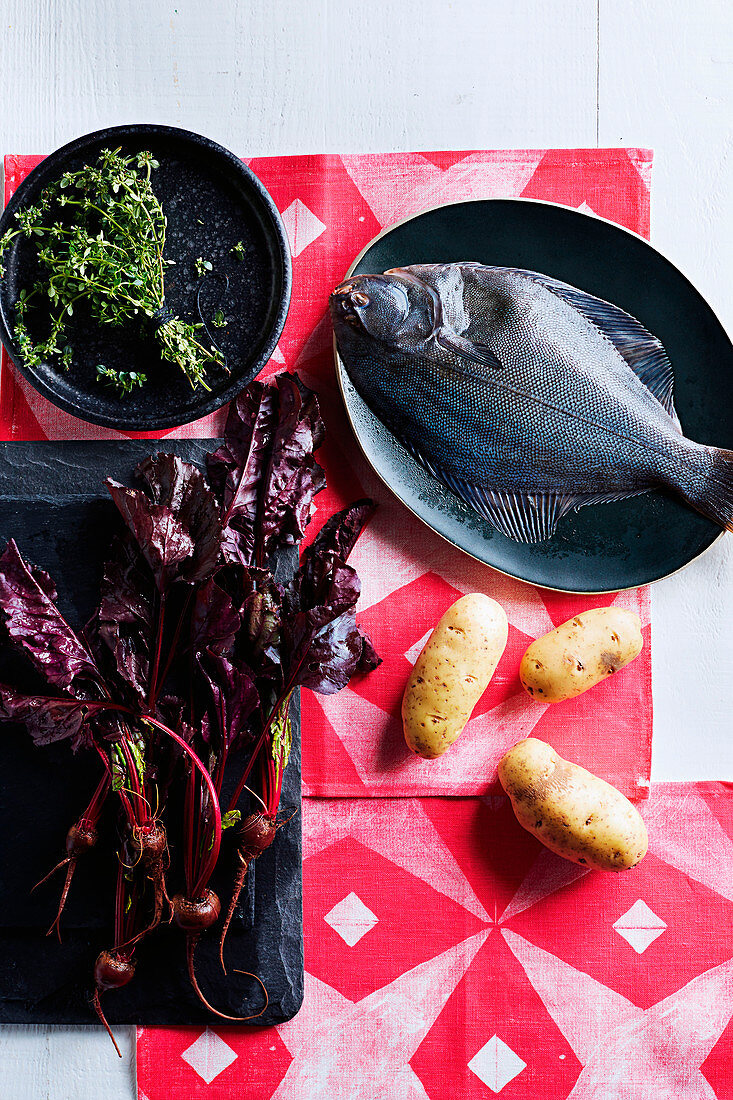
{"x":201,"y":768}
{"x":282,"y":698}
{"x":213,"y":853}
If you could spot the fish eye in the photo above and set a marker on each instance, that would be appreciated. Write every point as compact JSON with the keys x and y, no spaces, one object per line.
{"x":400,"y":298}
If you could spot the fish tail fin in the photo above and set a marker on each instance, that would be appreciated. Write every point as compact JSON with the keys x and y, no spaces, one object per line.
{"x":708,"y":484}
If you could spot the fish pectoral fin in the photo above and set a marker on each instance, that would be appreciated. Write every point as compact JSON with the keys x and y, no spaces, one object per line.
{"x":467,"y":349}
{"x":531,"y":517}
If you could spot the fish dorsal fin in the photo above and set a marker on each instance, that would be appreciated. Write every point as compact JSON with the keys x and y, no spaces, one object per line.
{"x":644,"y":353}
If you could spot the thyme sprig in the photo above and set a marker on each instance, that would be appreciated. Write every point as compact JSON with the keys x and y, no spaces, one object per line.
{"x":99,"y":234}
{"x":124,"y":381}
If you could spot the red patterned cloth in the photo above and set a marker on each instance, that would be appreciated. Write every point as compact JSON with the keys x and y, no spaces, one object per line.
{"x":332,"y":206}
{"x":448,"y":954}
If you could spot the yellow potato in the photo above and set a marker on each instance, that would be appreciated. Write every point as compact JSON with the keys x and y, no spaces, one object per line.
{"x":575,"y":814}
{"x":580,"y":653}
{"x":452,"y":672}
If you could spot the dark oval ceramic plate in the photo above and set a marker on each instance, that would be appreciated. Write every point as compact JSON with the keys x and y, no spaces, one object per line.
{"x":212,"y":201}
{"x":600,"y":548}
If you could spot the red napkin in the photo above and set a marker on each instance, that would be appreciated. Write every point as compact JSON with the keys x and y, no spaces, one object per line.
{"x":448,"y":954}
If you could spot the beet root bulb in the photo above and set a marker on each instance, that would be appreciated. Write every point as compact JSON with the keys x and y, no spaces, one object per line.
{"x":112,"y":970}
{"x":256,"y":834}
{"x":195,"y":915}
{"x":81,"y":838}
{"x":149,"y":846}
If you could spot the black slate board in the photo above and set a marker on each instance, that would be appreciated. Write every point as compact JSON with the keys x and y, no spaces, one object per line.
{"x":54,"y":504}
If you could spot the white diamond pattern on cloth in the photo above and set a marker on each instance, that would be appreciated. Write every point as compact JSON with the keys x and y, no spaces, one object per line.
{"x":415,"y":650}
{"x":362,"y":1050}
{"x":496,"y":1064}
{"x":427,"y":856}
{"x":640,"y":926}
{"x":351,"y":919}
{"x":659,"y":1049}
{"x":209,"y":1056}
{"x":302,"y":225}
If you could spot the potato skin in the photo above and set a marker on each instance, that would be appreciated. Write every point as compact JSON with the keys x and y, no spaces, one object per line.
{"x":580,"y":653}
{"x":452,"y":672}
{"x":574,"y":813}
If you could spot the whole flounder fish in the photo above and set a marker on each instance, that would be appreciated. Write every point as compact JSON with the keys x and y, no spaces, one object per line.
{"x":525,"y":396}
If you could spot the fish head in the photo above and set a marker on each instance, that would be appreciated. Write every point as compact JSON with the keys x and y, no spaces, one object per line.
{"x":395,"y":310}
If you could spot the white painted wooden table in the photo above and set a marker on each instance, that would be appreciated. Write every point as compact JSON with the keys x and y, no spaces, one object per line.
{"x":294,"y":76}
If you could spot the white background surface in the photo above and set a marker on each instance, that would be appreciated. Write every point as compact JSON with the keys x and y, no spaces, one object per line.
{"x":294,"y":76}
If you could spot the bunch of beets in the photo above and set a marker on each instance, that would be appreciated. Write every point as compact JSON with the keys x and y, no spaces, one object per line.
{"x":194,"y":651}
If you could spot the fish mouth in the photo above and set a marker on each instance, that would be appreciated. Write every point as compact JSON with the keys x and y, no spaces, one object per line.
{"x":346,"y":300}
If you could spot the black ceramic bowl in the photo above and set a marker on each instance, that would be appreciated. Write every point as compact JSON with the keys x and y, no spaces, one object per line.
{"x":605,"y":547}
{"x":211,"y":201}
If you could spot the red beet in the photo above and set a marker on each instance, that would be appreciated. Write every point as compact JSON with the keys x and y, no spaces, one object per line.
{"x":80,"y":838}
{"x":256,"y":834}
{"x":194,"y":916}
{"x":149,"y":845}
{"x":151,"y":842}
{"x":112,"y":970}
